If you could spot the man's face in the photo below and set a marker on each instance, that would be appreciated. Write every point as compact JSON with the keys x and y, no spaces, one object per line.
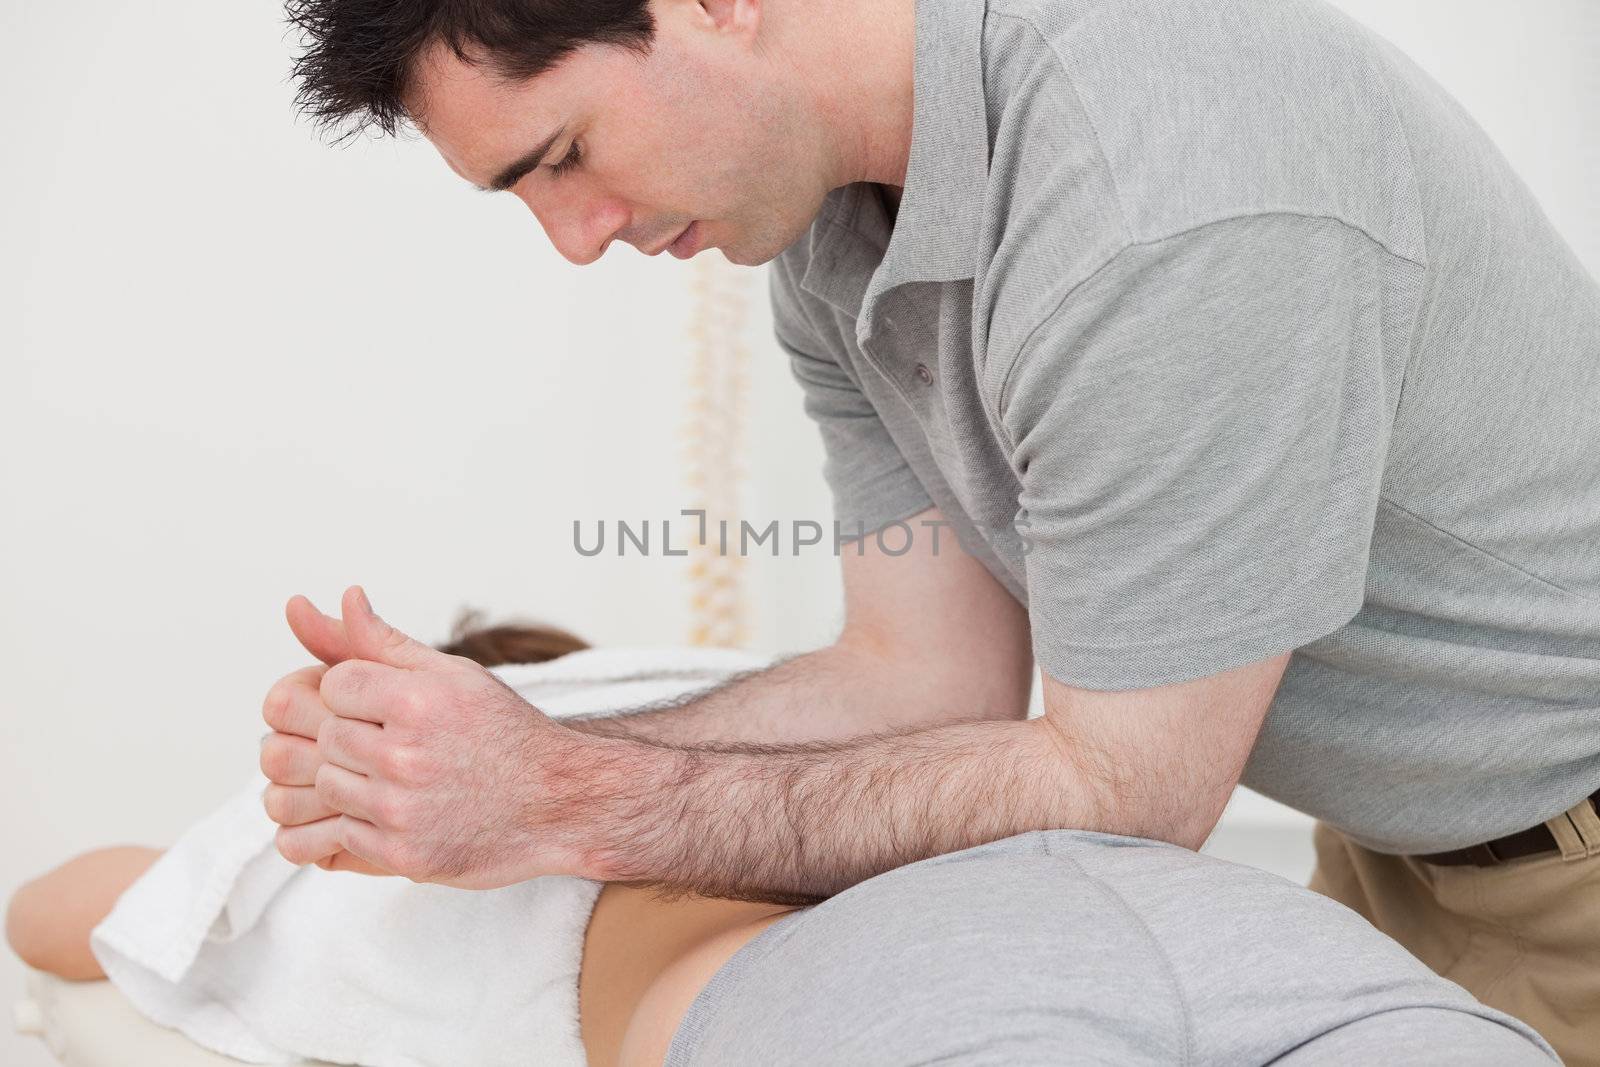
{"x":700,"y":131}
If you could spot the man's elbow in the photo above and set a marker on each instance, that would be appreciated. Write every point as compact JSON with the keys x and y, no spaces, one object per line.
{"x":1195,"y":837}
{"x":1187,"y":819}
{"x":1119,"y":794}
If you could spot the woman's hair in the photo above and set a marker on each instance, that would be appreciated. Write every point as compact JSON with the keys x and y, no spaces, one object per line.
{"x":360,"y":55}
{"x":514,"y":642}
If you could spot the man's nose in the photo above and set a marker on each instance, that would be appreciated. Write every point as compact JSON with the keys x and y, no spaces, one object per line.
{"x":580,"y":226}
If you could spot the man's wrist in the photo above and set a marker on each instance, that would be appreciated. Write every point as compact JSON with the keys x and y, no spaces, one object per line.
{"x":604,"y":791}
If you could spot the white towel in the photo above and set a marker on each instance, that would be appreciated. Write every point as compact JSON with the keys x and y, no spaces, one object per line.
{"x":245,"y":953}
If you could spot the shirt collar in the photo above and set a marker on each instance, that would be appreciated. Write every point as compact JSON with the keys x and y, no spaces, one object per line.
{"x":935,"y":232}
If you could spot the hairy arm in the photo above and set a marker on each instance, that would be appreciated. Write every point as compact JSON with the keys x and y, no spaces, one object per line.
{"x":908,"y":659}
{"x":907,"y":738}
{"x":787,"y":823}
{"x":793,"y":824}
{"x":840,"y":691}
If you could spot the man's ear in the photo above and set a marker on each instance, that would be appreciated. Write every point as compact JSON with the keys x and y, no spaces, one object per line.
{"x":741,"y":17}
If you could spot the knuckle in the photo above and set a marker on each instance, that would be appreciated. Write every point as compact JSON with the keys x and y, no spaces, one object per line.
{"x":275,"y":708}
{"x":394,"y":640}
{"x":343,"y":677}
{"x":385,"y":855}
{"x":290,"y":847}
{"x":402,"y":764}
{"x":327,"y":733}
{"x":327,"y":786}
{"x":412,"y":703}
{"x":310,"y":675}
{"x":276,"y":758}
{"x":392,"y":811}
{"x":272,"y":799}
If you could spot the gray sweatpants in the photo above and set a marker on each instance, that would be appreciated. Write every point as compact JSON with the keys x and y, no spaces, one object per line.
{"x":1068,"y":947}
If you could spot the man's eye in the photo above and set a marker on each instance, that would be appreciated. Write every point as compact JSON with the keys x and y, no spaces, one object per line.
{"x":568,"y":163}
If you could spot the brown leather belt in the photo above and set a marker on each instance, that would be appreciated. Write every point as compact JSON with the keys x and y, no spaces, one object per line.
{"x":1530,"y":842}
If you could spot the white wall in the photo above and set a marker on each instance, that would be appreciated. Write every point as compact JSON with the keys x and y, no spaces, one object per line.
{"x":237,"y":364}
{"x":1526,"y":71}
{"x":245,"y":365}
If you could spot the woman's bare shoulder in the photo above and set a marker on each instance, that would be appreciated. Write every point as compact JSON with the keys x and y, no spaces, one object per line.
{"x":49,"y":919}
{"x":661,"y":1009}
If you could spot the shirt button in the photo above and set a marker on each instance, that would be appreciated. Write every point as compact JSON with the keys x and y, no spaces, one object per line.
{"x":925,"y":374}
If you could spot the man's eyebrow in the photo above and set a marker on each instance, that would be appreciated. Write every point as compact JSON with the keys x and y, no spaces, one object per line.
{"x":514,"y":172}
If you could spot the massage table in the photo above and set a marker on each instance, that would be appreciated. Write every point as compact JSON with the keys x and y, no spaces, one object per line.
{"x":89,"y":1024}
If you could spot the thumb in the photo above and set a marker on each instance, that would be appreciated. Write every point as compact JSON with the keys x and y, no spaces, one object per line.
{"x":373,"y":639}
{"x":322,"y":636}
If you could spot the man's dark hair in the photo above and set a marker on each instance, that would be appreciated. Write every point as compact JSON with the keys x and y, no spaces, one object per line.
{"x":361,"y":55}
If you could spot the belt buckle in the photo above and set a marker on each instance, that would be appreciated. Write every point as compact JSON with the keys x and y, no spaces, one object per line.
{"x":1577,"y":830}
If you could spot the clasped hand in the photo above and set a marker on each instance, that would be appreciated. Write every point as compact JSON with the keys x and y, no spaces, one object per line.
{"x":391,"y":757}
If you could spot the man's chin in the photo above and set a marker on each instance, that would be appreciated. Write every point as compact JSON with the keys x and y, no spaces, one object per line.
{"x":732,"y":255}
{"x":754,"y":254}
{"x":749,"y":246}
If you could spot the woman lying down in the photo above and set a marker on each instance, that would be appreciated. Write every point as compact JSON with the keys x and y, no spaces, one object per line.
{"x":1055,"y":946}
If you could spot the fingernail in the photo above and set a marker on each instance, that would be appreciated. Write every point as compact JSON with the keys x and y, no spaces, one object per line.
{"x":365,"y":603}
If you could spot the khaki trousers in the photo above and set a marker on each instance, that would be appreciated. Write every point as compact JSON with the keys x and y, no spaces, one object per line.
{"x":1522,"y":936}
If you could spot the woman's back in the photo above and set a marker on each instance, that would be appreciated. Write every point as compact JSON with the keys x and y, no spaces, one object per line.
{"x":644,"y":960}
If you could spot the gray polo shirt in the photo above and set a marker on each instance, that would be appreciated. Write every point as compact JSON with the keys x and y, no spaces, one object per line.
{"x":1216,"y":328}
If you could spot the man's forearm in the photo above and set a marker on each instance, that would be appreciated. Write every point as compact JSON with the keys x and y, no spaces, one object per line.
{"x":834,"y":693}
{"x":798,"y":823}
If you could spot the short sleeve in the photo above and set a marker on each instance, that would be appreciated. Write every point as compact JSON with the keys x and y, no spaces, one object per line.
{"x":1201,"y":429}
{"x":868,"y":477}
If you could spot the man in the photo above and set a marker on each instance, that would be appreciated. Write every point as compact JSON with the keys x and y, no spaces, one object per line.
{"x":1218,"y":334}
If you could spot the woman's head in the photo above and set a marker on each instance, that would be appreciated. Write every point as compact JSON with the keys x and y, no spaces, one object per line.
{"x":507,"y":643}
